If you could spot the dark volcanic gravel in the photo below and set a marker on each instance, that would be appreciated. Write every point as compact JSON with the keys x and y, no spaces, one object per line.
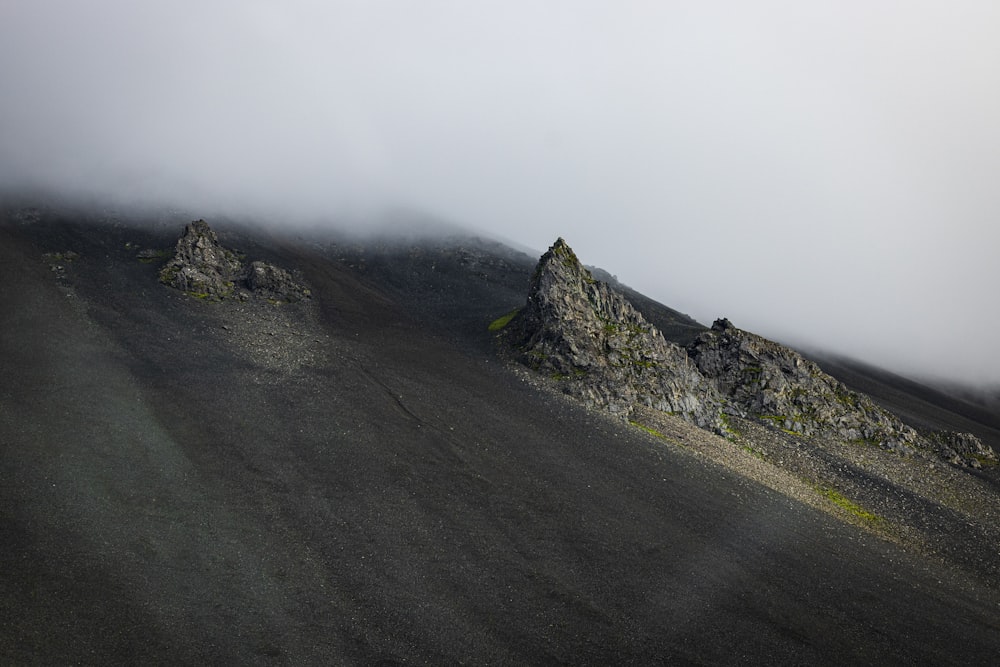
{"x":334,"y":482}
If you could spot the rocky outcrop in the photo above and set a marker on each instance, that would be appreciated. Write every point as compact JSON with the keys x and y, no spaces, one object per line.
{"x":585,"y":335}
{"x":202,"y":267}
{"x":274,"y":283}
{"x":588,"y":337}
{"x":775,"y":384}
{"x":963,"y":449}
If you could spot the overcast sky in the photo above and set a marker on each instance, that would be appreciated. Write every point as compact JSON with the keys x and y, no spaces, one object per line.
{"x":821,"y":172}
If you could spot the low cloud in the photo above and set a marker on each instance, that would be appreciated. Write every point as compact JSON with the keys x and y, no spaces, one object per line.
{"x":816,"y":172}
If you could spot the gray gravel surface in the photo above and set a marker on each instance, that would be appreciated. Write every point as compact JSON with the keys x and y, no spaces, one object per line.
{"x":339,"y":482}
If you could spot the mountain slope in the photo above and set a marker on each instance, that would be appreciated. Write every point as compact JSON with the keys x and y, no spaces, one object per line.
{"x":336,"y":480}
{"x":813,"y":436}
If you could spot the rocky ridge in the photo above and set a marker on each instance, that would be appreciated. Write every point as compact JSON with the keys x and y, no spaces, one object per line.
{"x":601,"y":349}
{"x":202,"y":267}
{"x":774,"y":383}
{"x":591,"y":340}
{"x":961,"y":448}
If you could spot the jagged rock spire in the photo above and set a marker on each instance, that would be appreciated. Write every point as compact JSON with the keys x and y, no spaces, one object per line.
{"x":579,"y":331}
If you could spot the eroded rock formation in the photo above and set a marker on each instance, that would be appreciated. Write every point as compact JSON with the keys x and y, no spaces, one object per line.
{"x":577,"y":330}
{"x":775,"y":384}
{"x":588,"y":337}
{"x":202,"y":267}
{"x":962,"y":449}
{"x":273,"y":282}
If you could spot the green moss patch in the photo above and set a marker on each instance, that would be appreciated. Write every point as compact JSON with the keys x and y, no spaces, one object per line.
{"x":502,"y":321}
{"x":652,"y":431}
{"x":845,"y":503}
{"x":656,"y":434}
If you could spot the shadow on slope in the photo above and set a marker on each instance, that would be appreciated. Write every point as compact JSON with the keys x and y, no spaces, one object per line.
{"x":378,"y":493}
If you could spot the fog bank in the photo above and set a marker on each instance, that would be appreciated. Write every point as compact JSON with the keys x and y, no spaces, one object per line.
{"x":818,"y":172}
